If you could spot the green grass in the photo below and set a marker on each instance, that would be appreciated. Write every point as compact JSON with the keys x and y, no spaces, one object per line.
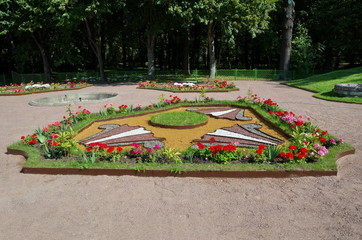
{"x":323,"y":84}
{"x":179,"y":118}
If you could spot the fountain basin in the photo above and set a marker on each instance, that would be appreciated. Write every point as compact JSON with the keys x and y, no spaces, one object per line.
{"x":72,"y":98}
{"x":349,"y":89}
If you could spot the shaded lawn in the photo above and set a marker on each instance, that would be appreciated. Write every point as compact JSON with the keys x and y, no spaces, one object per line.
{"x":323,"y":84}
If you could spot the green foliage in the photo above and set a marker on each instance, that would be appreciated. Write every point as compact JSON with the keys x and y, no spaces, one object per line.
{"x":323,"y":84}
{"x":303,"y":53}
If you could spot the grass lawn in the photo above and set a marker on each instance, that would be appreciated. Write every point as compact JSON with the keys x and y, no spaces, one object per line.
{"x":323,"y":84}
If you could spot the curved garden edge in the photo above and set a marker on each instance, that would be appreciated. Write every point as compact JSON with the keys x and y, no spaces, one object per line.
{"x":45,"y":91}
{"x":189,"y":91}
{"x":167,"y":173}
{"x":315,"y":94}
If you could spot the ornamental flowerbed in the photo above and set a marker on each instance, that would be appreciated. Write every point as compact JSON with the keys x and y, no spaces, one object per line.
{"x":209,"y":86}
{"x":30,"y":88}
{"x":306,"y":147}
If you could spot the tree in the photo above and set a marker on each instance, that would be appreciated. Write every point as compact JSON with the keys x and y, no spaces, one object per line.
{"x":94,"y":14}
{"x":32,"y":18}
{"x":287,"y":32}
{"x":252,"y":16}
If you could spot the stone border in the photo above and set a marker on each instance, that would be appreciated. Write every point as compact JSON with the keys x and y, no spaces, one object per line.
{"x":167,"y":173}
{"x":45,"y":91}
{"x":189,"y":91}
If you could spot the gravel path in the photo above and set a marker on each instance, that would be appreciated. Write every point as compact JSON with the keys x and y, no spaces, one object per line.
{"x":108,"y":207}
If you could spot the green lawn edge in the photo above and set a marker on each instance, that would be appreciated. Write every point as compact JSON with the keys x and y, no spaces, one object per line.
{"x":327,"y":163}
{"x":322,"y":84}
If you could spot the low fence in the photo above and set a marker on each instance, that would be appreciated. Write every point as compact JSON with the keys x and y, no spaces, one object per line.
{"x":139,"y":75}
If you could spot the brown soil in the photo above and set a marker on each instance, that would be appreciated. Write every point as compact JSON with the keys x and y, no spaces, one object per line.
{"x":111,"y":207}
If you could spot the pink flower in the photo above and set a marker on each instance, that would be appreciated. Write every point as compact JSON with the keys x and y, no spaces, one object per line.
{"x":45,"y":129}
{"x":135,"y":145}
{"x":157,"y":146}
{"x":57,"y":124}
{"x":54,"y":135}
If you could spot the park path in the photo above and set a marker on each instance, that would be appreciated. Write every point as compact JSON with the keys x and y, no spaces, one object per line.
{"x":110,"y":207}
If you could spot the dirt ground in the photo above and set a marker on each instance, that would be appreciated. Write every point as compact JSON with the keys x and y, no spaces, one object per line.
{"x":108,"y":207}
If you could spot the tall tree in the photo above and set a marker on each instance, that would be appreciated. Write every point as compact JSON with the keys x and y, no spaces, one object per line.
{"x":287,"y":33}
{"x":94,"y":15}
{"x":252,"y":16}
{"x":33,"y":18}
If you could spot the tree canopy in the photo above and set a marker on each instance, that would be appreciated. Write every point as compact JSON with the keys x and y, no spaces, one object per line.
{"x":74,"y":35}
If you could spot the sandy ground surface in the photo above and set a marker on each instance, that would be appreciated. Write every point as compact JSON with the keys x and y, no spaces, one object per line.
{"x":108,"y":207}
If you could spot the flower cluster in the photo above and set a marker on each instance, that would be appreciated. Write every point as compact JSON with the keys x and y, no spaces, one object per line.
{"x":173,"y":99}
{"x":188,"y":86}
{"x":38,"y":87}
{"x":217,"y":153}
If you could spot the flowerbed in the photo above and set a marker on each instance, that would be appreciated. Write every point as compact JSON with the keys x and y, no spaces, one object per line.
{"x":21,"y":89}
{"x":209,"y":86}
{"x":56,"y":145}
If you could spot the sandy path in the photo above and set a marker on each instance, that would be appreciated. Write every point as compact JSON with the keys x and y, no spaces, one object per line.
{"x":104,"y":207}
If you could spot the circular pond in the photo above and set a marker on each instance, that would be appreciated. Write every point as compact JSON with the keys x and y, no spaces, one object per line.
{"x":72,"y":98}
{"x":349,"y":89}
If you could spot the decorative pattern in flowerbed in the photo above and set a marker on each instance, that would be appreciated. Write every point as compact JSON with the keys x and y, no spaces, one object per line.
{"x":249,"y":137}
{"x":30,"y":88}
{"x":209,"y":86}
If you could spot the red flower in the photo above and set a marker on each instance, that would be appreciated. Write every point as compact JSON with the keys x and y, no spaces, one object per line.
{"x":292,"y":147}
{"x":22,"y":137}
{"x":261,"y":147}
{"x":229,"y":147}
{"x":110,"y":149}
{"x":324,"y":132}
{"x":282,"y":154}
{"x":290,"y":155}
{"x":322,"y":139}
{"x":301,"y":155}
{"x":200,"y":145}
{"x":212,"y":139}
{"x":54,"y":144}
{"x":32,"y":141}
{"x":89,"y":149}
{"x":119,"y":149}
{"x":259,"y":151}
{"x":34,"y":135}
{"x":303,"y":150}
{"x":215,"y":149}
{"x":299,"y":123}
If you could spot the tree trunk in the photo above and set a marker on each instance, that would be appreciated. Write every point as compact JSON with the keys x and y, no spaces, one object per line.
{"x":186,"y":53}
{"x":211,"y":45}
{"x":287,"y":33}
{"x":95,"y":41}
{"x":151,"y":37}
{"x":46,"y":65}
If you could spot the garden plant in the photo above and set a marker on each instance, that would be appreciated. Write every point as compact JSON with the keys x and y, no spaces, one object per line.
{"x":308,"y":148}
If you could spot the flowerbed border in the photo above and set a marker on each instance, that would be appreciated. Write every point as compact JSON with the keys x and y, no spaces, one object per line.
{"x":167,"y":173}
{"x":188,"y":91}
{"x":45,"y":91}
